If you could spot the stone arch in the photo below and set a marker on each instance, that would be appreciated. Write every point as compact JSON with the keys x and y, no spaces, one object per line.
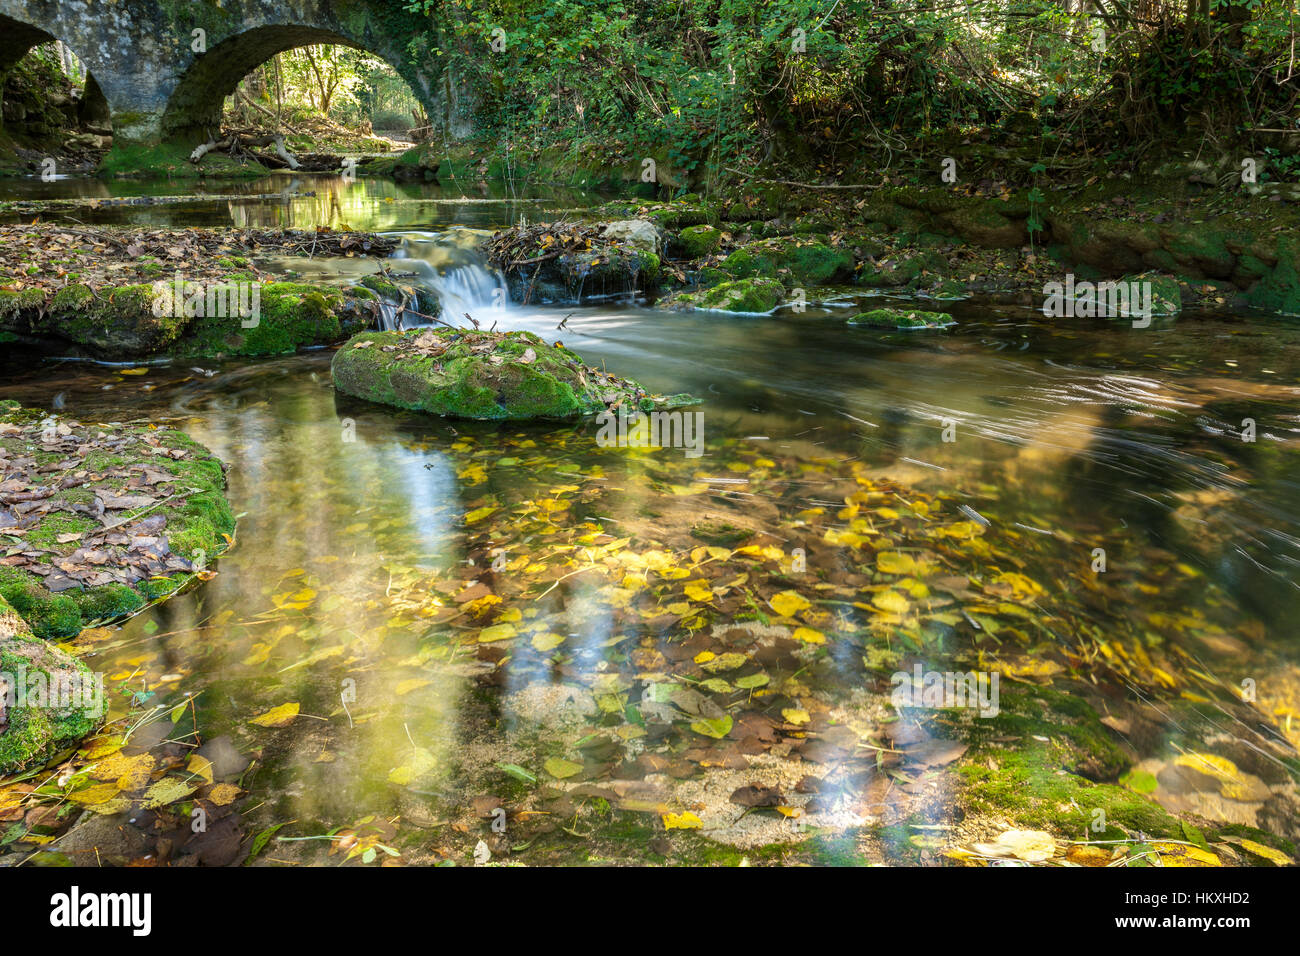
{"x":193,"y":110}
{"x":142,"y":52}
{"x":18,"y":38}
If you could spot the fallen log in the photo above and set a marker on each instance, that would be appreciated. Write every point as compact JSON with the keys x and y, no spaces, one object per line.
{"x":246,"y":142}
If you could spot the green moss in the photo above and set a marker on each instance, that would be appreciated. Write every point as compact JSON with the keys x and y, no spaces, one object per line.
{"x":721,"y":533}
{"x":676,"y":215}
{"x":46,"y":535}
{"x":171,"y":160}
{"x":802,"y":262}
{"x":753,"y":296}
{"x":520,"y":377}
{"x":905,"y":270}
{"x":198,"y":521}
{"x":107,"y":602}
{"x":1030,"y":788}
{"x":905,"y":319}
{"x":1279,"y":290}
{"x":48,"y":615}
{"x":116,"y":322}
{"x":291,"y":316}
{"x":696,"y":242}
{"x":12,"y":304}
{"x":34,"y":733}
{"x":384,"y":286}
{"x":1166,"y":295}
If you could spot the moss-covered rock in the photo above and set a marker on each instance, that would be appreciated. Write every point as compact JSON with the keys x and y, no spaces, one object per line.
{"x":56,"y":700}
{"x":1278,"y":290}
{"x":904,"y":319}
{"x":482,"y":375}
{"x":139,"y":514}
{"x":748,"y":296}
{"x":803,"y":261}
{"x":160,"y":318}
{"x":292,"y":316}
{"x":688,"y":211}
{"x":695,"y":242}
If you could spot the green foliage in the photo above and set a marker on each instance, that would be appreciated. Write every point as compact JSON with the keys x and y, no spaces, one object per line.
{"x":701,"y":85}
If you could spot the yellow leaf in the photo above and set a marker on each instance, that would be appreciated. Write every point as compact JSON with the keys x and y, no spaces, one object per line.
{"x":547,"y":641}
{"x":891,"y":601}
{"x":559,"y":768}
{"x":99,"y":793}
{"x":277,"y":716}
{"x":167,"y":790}
{"x":788,"y":603}
{"x":895,"y":562}
{"x":809,"y":635}
{"x":200,"y":766}
{"x":478,"y":514}
{"x":1267,"y":852}
{"x":223,"y":794}
{"x":682,"y":821}
{"x":795,"y":716}
{"x":100,"y":747}
{"x":699,"y":591}
{"x":497,"y":632}
{"x":1209,"y":764}
{"x":421,"y":762}
{"x":406,"y":686}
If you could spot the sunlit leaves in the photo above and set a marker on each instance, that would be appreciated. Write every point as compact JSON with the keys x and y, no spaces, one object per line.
{"x":789,"y":603}
{"x":277,"y":717}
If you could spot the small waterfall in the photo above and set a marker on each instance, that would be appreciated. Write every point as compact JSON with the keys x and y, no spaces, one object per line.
{"x":471,"y":289}
{"x":449,"y":265}
{"x":387,"y":316}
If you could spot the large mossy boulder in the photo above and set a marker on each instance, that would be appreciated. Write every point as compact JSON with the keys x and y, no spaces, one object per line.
{"x":483,"y":375}
{"x":49,"y":701}
{"x":97,"y":520}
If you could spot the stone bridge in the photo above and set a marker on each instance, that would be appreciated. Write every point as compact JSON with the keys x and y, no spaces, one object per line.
{"x":160,"y":69}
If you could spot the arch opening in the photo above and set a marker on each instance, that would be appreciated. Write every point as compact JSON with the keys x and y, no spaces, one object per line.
{"x":244,"y":80}
{"x":51,"y":106}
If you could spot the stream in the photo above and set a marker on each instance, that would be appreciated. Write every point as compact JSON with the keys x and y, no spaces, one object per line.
{"x":354,"y":533}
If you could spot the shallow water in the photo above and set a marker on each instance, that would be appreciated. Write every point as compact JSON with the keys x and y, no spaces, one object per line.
{"x":353,"y":536}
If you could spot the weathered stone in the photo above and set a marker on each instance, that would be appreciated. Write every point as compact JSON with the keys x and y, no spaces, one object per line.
{"x":634,"y":233}
{"x":162,"y":80}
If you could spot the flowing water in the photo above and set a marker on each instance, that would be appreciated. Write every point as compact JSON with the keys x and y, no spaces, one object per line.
{"x":367,"y":539}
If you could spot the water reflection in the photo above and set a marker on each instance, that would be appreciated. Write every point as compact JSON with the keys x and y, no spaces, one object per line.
{"x":293,"y":200}
{"x":362,"y":581}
